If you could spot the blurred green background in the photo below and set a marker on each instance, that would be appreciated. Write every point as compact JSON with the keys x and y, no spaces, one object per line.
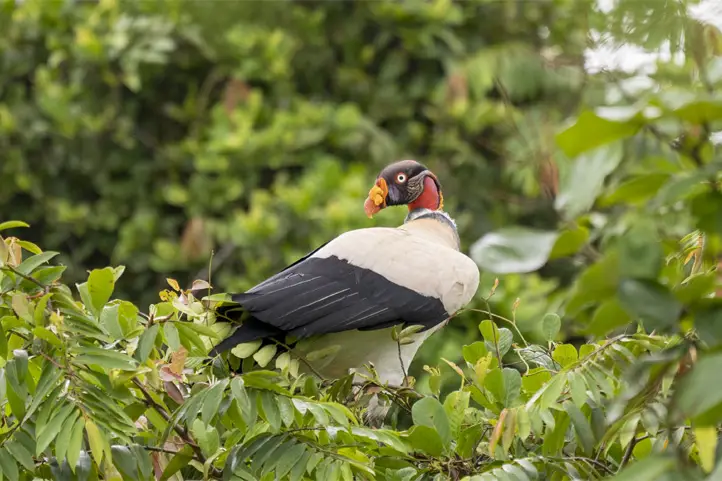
{"x":150,"y":134}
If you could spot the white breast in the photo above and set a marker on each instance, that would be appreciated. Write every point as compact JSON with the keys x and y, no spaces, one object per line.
{"x":357,"y":348}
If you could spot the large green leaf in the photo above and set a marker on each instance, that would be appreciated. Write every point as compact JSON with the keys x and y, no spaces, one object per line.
{"x":592,"y":130}
{"x":653,"y":303}
{"x":513,"y":250}
{"x":698,"y":392}
{"x":583,"y":184}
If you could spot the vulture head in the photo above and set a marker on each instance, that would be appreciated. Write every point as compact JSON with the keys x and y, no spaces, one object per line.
{"x":405,"y":182}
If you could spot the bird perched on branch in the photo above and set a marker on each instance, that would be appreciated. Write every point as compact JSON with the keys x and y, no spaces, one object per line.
{"x":346,"y":296}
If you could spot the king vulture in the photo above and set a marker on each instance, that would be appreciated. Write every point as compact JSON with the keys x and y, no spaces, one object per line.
{"x":346,"y":296}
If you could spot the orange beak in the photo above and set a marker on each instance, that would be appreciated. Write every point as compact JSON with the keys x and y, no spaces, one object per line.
{"x":377,"y":198}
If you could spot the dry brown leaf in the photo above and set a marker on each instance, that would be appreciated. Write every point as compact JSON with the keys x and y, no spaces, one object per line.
{"x":178,"y":360}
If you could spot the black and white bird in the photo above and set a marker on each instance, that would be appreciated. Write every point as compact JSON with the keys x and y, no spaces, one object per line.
{"x":346,"y":296}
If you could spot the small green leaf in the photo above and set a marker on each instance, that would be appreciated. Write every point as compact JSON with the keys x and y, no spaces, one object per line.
{"x":513,"y":250}
{"x":246,"y":349}
{"x":565,"y":355}
{"x":100,"y":287}
{"x":569,"y":242}
{"x":265,"y":354}
{"x":146,"y":343}
{"x":473,"y":352}
{"x":11,"y":224}
{"x":429,"y":412}
{"x":212,"y":401}
{"x":271,"y":411}
{"x":551,"y":324}
{"x":171,"y":336}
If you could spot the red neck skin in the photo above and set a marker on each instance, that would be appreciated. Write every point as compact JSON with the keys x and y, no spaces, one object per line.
{"x":429,"y":198}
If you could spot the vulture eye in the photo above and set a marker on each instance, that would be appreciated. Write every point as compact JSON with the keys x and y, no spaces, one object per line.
{"x":401,"y":178}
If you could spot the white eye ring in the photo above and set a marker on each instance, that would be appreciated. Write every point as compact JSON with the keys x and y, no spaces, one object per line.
{"x":401,"y":178}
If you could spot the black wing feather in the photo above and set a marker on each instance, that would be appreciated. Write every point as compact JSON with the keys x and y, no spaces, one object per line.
{"x":325,"y":295}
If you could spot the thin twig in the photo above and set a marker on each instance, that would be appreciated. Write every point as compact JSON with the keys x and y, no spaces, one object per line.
{"x":401,"y":361}
{"x":24,"y":276}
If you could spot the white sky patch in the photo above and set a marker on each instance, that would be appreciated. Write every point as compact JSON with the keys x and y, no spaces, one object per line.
{"x":631,"y":58}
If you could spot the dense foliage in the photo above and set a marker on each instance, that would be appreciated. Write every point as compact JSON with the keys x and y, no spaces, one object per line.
{"x":144,"y":135}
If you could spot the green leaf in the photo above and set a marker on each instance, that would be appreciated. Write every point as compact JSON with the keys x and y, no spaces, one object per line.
{"x":708,"y":322}
{"x":577,"y":388}
{"x":512,"y":385}
{"x":288,"y":459}
{"x":271,"y":411}
{"x":581,"y":187}
{"x":125,"y":461}
{"x":582,"y":428}
{"x":706,"y":441}
{"x":551,"y":324}
{"x":179,"y":461}
{"x":427,"y":440}
{"x":455,"y":406}
{"x":104,"y":358}
{"x":640,"y":252}
{"x":171,"y":336}
{"x":63,"y":439}
{"x":246,"y":349}
{"x":707,"y":209}
{"x":11,"y":224}
{"x":608,"y":316}
{"x":648,"y":469}
{"x":21,"y":454}
{"x":592,"y":130}
{"x":636,"y":190}
{"x":429,"y":412}
{"x":207,"y":437}
{"x":513,"y":250}
{"x":146,"y":343}
{"x":100,"y":287}
{"x":49,"y":431}
{"x":265,"y":354}
{"x":31,"y":263}
{"x":700,"y":391}
{"x":212,"y":401}
{"x":569,"y":242}
{"x":95,"y":440}
{"x":653,"y":303}
{"x":473,"y":352}
{"x":565,"y":355}
{"x":76,"y":442}
{"x":8,"y":467}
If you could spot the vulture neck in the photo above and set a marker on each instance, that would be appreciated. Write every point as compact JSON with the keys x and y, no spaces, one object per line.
{"x":435,"y":225}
